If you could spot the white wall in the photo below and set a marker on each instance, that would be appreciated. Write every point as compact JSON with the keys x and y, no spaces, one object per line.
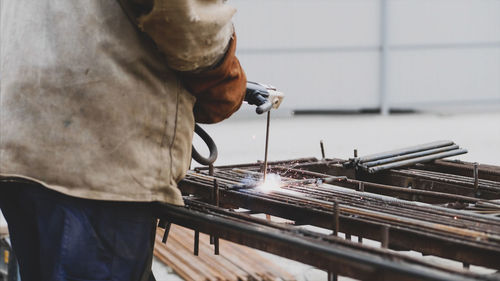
{"x":325,"y":54}
{"x":462,"y":61}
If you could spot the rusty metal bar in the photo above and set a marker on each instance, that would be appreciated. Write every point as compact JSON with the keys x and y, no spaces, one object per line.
{"x":402,"y":237}
{"x":443,"y":193}
{"x":488,"y":172}
{"x":165,"y":234}
{"x":216,"y":203}
{"x":476,"y":177}
{"x":336,"y":223}
{"x":463,"y":236}
{"x":385,"y":236}
{"x":311,"y":249}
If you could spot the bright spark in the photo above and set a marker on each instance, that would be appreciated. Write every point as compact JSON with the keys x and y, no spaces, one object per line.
{"x":272,"y":183}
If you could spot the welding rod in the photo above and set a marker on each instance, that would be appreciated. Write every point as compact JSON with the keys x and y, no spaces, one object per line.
{"x":267,"y":143}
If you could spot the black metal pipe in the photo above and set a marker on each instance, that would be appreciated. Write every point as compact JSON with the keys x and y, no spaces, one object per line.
{"x":408,"y":156}
{"x":216,"y":203}
{"x":167,"y":231}
{"x":417,"y":160}
{"x":403,"y":151}
{"x":260,"y":236}
{"x":212,"y":147}
{"x":196,"y":242}
{"x":322,"y":146}
{"x":336,"y":222}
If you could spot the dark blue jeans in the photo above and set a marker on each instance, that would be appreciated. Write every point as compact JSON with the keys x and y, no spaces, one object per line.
{"x":57,"y":237}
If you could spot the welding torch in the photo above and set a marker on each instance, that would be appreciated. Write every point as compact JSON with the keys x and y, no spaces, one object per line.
{"x":265,"y":97}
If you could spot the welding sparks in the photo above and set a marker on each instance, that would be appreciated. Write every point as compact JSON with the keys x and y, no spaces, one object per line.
{"x":272,"y":183}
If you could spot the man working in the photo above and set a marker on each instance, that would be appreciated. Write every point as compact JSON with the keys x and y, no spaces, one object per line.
{"x":96,"y":120}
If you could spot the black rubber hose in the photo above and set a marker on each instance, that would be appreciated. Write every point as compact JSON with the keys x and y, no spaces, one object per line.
{"x":211,"y":147}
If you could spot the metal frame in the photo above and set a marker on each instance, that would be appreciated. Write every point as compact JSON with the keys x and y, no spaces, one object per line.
{"x":378,"y":206}
{"x":322,"y":251}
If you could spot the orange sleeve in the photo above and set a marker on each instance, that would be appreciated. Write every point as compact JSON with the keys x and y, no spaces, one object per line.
{"x":219,"y":91}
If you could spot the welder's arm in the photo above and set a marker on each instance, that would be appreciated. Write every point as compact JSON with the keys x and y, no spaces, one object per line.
{"x":219,"y":91}
{"x":197,"y":39}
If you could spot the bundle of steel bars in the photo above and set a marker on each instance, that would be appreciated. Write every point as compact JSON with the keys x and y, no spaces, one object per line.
{"x":407,"y":156}
{"x":444,"y":209}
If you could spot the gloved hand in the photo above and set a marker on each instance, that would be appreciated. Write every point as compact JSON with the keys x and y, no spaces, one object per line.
{"x":257,"y":94}
{"x":219,"y":91}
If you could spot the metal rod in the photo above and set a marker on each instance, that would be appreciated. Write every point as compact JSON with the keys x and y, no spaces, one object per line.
{"x":476,"y":176}
{"x":396,"y":240}
{"x":321,"y":180}
{"x":212,"y":197}
{"x":267,"y":143}
{"x":261,"y":237}
{"x":385,"y":237}
{"x":167,"y":231}
{"x":406,"y":150}
{"x":322,"y":145}
{"x":216,"y":246}
{"x":216,"y":192}
{"x":332,"y":276}
{"x":416,"y":160}
{"x":216,"y":203}
{"x":409,"y":156}
{"x":396,"y":218}
{"x":336,"y":217}
{"x":196,"y":242}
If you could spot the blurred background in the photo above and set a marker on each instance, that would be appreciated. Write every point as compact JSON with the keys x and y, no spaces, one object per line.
{"x":344,"y":55}
{"x":368,"y":74}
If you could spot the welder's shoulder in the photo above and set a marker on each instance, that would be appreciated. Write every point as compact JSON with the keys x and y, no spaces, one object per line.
{"x":191,"y":34}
